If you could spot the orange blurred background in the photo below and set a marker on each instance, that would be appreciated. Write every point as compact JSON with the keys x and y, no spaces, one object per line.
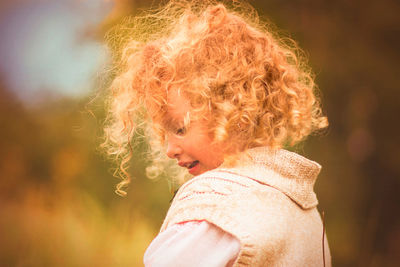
{"x":57,"y":200}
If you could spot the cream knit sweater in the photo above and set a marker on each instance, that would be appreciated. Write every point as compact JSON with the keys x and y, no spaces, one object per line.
{"x":266,"y":201}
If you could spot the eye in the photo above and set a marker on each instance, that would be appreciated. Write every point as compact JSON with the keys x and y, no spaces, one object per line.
{"x":180,"y":131}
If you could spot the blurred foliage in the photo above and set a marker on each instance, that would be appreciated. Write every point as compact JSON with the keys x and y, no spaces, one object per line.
{"x":57,"y":200}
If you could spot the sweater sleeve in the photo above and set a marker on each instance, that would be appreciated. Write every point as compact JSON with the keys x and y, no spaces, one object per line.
{"x":194,"y":243}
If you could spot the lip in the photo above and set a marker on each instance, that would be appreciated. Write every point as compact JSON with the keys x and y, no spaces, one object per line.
{"x":192,"y":170}
{"x":184,"y":164}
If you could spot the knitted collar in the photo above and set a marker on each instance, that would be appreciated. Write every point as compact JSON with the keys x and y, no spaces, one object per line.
{"x":290,"y":173}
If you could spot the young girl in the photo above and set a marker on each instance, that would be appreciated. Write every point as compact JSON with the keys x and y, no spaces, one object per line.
{"x":221,"y":95}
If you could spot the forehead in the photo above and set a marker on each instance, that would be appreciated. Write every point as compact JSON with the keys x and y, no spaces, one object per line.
{"x":167,"y":105}
{"x":178,"y":105}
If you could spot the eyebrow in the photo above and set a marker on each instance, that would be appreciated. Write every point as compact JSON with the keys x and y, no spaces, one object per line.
{"x":170,"y":120}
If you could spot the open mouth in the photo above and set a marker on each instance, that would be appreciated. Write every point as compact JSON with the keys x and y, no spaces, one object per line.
{"x":194,"y":163}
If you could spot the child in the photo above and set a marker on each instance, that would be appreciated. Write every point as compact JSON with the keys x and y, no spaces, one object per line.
{"x":222,"y":95}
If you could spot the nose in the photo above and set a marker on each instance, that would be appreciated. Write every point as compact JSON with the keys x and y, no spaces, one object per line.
{"x":173,"y":149}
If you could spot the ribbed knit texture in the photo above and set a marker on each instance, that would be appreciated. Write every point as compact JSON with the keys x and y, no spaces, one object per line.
{"x":266,"y":201}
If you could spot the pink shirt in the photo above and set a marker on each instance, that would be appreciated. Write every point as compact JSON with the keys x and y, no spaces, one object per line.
{"x":194,"y":243}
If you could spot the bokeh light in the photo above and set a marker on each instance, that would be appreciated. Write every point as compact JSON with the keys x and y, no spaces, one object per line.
{"x":47,"y":46}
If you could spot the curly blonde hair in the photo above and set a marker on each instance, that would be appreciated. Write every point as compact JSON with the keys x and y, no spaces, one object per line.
{"x":256,"y":85}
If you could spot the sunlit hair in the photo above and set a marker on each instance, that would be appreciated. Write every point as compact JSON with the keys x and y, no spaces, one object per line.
{"x":254,"y":87}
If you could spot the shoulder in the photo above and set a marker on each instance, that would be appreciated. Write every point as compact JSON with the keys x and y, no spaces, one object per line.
{"x":219,"y":182}
{"x":233,"y":201}
{"x":220,"y":187}
{"x":260,"y":216}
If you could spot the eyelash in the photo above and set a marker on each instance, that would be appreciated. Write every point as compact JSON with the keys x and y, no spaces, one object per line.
{"x":180,"y":131}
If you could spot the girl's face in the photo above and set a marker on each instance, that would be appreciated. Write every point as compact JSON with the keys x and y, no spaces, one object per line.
{"x":189,"y":142}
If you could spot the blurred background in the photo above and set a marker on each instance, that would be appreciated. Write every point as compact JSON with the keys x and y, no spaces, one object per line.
{"x":57,"y":200}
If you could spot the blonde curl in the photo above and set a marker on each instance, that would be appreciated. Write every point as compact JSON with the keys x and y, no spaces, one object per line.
{"x":257,"y":85}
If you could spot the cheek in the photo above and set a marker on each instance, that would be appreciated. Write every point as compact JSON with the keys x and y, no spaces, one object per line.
{"x":214,"y":155}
